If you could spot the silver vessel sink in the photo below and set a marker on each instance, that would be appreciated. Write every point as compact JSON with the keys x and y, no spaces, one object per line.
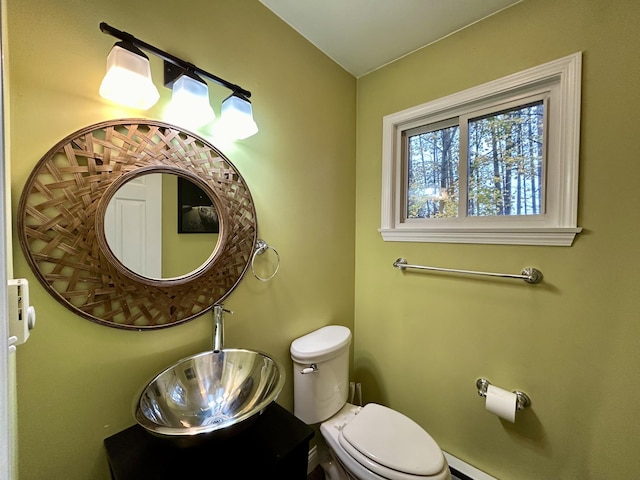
{"x":209,"y":395}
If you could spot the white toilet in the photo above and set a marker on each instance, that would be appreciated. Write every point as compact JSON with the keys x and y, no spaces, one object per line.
{"x":370,"y":442}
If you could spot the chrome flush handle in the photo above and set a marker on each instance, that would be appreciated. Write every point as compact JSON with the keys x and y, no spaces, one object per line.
{"x":313,"y":368}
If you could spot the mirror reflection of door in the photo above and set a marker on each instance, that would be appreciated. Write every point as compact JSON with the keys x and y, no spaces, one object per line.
{"x":133,"y":225}
{"x":142,"y":232}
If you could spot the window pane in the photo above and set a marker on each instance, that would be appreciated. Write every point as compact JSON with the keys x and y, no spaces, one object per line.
{"x":505,"y":162}
{"x":432,"y":190}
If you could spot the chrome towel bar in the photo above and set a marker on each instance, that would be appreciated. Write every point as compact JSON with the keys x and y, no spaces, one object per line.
{"x":529,"y":274}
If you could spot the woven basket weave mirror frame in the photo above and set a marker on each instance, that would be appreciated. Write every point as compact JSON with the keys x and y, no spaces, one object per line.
{"x":61,"y":217}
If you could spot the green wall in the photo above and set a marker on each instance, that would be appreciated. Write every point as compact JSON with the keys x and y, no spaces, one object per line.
{"x":77,"y":379}
{"x":421,"y":340}
{"x":571,"y":343}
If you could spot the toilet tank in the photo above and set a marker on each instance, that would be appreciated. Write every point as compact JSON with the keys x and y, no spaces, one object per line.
{"x":320,"y":373}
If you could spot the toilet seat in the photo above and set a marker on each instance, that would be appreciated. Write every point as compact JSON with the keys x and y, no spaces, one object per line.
{"x":372,"y":439}
{"x":381,"y":471}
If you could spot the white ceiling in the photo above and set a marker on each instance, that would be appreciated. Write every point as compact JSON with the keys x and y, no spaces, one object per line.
{"x":363,"y":35}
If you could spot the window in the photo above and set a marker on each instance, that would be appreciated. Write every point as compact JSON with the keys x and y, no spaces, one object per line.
{"x":496,"y":163}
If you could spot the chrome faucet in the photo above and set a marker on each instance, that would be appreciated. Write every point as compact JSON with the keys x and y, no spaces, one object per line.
{"x":218,"y":327}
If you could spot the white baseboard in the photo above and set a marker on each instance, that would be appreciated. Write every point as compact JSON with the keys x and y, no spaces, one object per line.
{"x":313,"y":459}
{"x":469,"y":470}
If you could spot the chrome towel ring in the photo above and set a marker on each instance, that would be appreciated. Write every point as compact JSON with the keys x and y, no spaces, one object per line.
{"x":262,"y":247}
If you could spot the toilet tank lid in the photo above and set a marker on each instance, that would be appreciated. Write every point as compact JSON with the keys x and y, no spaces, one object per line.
{"x":322,"y":344}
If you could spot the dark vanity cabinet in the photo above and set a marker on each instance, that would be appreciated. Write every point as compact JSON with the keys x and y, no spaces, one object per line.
{"x":274,"y":446}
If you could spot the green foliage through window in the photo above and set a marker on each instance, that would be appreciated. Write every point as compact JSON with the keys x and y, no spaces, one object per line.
{"x":433,"y":173}
{"x":503,"y":170}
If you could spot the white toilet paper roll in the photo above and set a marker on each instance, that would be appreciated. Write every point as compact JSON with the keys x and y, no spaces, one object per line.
{"x":502,"y":403}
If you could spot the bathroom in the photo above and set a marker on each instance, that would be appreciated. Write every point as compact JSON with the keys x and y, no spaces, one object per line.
{"x":420,"y":340}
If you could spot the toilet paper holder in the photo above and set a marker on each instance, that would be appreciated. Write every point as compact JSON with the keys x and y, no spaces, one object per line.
{"x":522,"y":399}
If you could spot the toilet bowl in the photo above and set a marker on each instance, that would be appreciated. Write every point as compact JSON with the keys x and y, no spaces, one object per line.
{"x":370,"y":442}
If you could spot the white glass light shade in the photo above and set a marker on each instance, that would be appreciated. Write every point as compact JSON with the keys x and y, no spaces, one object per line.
{"x":128,"y":79}
{"x":190,"y":102}
{"x":237,"y":117}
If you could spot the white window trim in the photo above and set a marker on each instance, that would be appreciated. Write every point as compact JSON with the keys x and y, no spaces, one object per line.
{"x":558,"y":226}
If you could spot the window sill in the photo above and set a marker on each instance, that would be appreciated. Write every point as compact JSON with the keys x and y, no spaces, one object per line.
{"x":559,"y":237}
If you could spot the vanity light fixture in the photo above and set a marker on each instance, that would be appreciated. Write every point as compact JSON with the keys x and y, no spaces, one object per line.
{"x":190,"y":94}
{"x":128,"y":77}
{"x":237,"y":116}
{"x":190,"y":101}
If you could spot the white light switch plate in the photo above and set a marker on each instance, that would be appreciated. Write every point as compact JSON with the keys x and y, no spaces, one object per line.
{"x":22,"y":316}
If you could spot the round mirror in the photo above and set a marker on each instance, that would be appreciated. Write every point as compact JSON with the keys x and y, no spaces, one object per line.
{"x":149,"y":222}
{"x":69,"y":236}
